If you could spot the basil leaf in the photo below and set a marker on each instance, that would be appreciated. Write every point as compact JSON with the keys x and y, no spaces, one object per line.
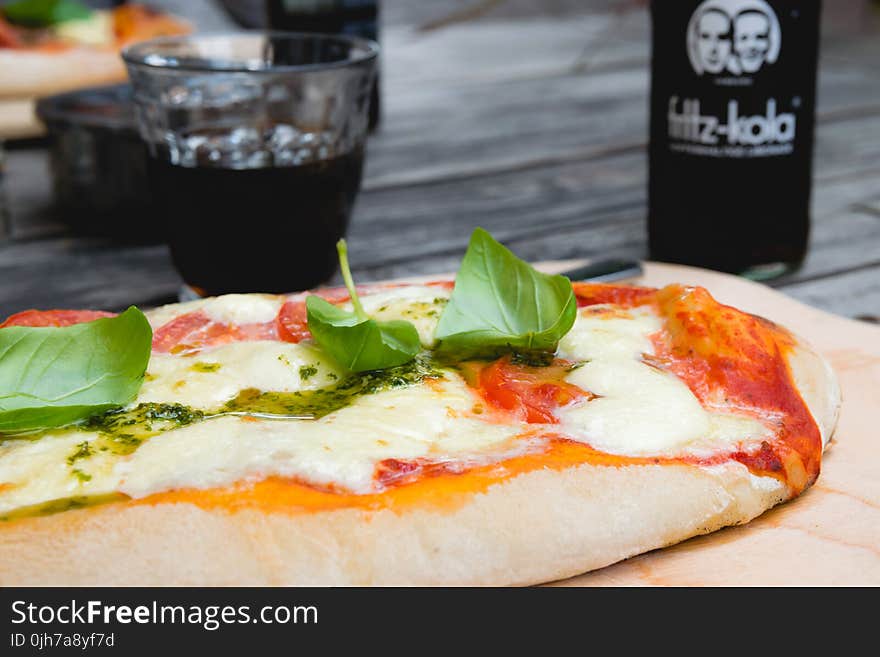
{"x":41,"y":13}
{"x":50,"y":377}
{"x":352,"y":338}
{"x":502,"y":302}
{"x":360,"y":344}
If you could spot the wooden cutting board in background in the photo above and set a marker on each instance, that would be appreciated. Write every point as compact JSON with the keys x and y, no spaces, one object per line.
{"x":831,"y":534}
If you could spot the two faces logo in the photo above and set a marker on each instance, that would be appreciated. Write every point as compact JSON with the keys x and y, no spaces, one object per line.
{"x":733,"y":36}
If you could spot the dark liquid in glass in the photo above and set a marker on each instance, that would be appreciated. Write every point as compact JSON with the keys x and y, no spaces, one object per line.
{"x":256,"y":230}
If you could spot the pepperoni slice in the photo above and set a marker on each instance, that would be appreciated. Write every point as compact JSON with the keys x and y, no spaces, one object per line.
{"x":54,"y":317}
{"x":194,"y":331}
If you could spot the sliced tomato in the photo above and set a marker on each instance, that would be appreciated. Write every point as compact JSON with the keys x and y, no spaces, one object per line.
{"x":54,"y":317}
{"x":530,"y":394}
{"x":293,"y":325}
{"x":194,"y":331}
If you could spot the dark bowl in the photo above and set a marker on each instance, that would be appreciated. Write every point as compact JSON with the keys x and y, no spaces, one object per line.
{"x":98,"y":163}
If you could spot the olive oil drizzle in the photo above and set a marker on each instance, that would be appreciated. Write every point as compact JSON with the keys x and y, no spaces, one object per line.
{"x":315,"y":404}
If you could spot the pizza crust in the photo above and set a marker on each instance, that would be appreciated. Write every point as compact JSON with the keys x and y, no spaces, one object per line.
{"x":29,"y":74}
{"x":536,"y":527}
{"x":818,"y":386}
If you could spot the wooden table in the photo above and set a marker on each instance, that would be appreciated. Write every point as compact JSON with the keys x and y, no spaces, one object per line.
{"x":528,"y":118}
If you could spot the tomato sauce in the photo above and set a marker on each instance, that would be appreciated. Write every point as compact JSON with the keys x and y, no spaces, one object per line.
{"x":718,"y":350}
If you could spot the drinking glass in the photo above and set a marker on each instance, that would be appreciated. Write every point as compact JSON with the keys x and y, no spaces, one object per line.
{"x":256,"y":147}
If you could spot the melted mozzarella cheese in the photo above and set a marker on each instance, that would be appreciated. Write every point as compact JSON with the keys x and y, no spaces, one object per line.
{"x":420,"y":305}
{"x":342,"y":448}
{"x":640,"y":410}
{"x":226,"y":309}
{"x":214,"y":376}
{"x":242,"y":308}
{"x":607,"y":333}
{"x":37,"y":471}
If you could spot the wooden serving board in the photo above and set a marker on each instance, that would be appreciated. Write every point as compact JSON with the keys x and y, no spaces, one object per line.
{"x":831,"y":534}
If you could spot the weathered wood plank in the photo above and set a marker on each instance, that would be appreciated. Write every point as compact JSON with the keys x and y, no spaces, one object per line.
{"x":852,"y":294}
{"x":64,"y":273}
{"x":439,"y":13}
{"x":471,"y":50}
{"x":457,"y":130}
{"x":583,"y":209}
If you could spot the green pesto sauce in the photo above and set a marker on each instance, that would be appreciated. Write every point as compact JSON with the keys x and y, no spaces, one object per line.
{"x":202,"y":366}
{"x":532,"y":358}
{"x":420,"y":309}
{"x":314,"y":404}
{"x":65,"y":504}
{"x":82,"y":476}
{"x":307,"y":371}
{"x":122,"y":431}
{"x":83,"y":451}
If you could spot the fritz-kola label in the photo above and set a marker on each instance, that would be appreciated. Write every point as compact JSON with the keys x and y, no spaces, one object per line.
{"x":687,"y":124}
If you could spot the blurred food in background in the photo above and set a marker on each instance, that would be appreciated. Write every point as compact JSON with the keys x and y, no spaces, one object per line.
{"x":51,"y":46}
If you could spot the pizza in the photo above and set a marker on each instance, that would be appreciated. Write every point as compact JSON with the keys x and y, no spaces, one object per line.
{"x":56,"y":46}
{"x":253,"y":455}
{"x":82,"y":51}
